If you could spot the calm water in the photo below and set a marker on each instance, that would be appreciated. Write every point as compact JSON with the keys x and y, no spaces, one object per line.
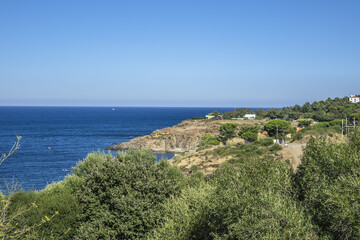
{"x":56,"y":138}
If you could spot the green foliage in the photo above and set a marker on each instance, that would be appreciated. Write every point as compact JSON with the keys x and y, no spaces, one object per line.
{"x":197,"y":118}
{"x":321,"y":125}
{"x":216,"y":114}
{"x":238,"y":113}
{"x":266,"y":142}
{"x":249,"y":132}
{"x":336,"y":122}
{"x":331,"y":109}
{"x":249,"y":199}
{"x":249,"y":136}
{"x":248,"y":128}
{"x":227,"y":131}
{"x":243,"y":151}
{"x":56,"y":199}
{"x":182,"y":214}
{"x":297,"y":136}
{"x":276,"y":147}
{"x":209,"y":140}
{"x":274,"y":113}
{"x":355,"y":115}
{"x":122,"y":197}
{"x":260,"y":113}
{"x":304,"y":122}
{"x":277,"y":126}
{"x":194,"y":167}
{"x":328,"y":185}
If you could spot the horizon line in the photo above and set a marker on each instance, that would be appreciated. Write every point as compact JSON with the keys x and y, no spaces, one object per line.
{"x":113,"y":106}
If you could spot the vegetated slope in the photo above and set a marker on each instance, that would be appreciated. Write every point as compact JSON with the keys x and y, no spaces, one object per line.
{"x":251,"y":196}
{"x":184,"y":137}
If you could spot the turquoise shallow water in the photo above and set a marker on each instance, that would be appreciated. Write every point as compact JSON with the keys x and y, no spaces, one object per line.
{"x":56,"y":138}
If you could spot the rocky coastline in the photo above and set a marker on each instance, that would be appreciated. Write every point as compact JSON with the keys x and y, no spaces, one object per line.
{"x":181,"y":138}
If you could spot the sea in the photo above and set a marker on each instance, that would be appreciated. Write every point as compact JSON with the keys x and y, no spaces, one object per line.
{"x":54,"y":139}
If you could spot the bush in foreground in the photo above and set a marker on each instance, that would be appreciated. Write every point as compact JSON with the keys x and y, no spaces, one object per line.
{"x":122,"y":196}
{"x":328,"y":185}
{"x":249,"y":199}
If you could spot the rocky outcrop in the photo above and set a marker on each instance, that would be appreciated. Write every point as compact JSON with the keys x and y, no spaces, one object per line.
{"x":184,"y":137}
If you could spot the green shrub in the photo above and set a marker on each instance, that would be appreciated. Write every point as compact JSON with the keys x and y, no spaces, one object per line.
{"x":57,"y":200}
{"x":336,"y":122}
{"x":276,"y":147}
{"x":304,"y":122}
{"x":321,"y":125}
{"x":327,"y":183}
{"x":247,"y":200}
{"x":249,"y":136}
{"x":122,"y":197}
{"x":209,"y":140}
{"x":266,"y":142}
{"x":227,"y":131}
{"x":248,"y":128}
{"x":194,"y":167}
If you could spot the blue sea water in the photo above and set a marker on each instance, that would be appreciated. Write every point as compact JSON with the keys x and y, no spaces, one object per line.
{"x":56,"y":138}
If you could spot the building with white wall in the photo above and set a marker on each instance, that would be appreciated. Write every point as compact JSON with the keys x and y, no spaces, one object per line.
{"x":354,"y":99}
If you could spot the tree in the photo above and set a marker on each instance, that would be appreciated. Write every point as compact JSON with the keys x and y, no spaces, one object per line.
{"x":304,"y":122}
{"x":306,"y":108}
{"x":216,"y":114}
{"x":238,"y":113}
{"x":277,"y":127}
{"x":248,"y":128}
{"x":355,"y":115}
{"x":227,"y":131}
{"x":249,"y":136}
{"x":260,"y":113}
{"x":273,"y":113}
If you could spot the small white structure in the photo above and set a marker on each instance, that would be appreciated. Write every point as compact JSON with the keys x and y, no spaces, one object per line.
{"x":354,"y":99}
{"x":250,"y":116}
{"x":209,"y":116}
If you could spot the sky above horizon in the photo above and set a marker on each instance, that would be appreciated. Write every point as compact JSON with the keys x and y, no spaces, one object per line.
{"x":178,"y":53}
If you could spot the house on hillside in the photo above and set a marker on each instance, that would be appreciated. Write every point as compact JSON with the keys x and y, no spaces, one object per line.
{"x":214,"y":115}
{"x":250,"y":116}
{"x":354,"y":99}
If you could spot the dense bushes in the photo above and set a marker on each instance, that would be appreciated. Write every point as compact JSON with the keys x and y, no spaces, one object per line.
{"x":209,"y":140}
{"x":249,"y":199}
{"x":123,"y":196}
{"x":337,"y":108}
{"x":249,"y":132}
{"x":227,"y":131}
{"x":56,"y":201}
{"x":328,"y":185}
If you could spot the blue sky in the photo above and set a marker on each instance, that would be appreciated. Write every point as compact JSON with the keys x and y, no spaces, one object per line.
{"x":178,"y":53}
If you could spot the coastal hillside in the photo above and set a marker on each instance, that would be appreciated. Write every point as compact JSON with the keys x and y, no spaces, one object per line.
{"x":184,"y":137}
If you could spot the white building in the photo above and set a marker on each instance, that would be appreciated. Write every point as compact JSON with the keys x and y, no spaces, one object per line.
{"x":249,"y":116}
{"x":209,"y":116}
{"x":354,"y":99}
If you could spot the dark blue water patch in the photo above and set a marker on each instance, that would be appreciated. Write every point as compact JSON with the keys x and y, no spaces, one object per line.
{"x":165,"y":156}
{"x":56,"y":138}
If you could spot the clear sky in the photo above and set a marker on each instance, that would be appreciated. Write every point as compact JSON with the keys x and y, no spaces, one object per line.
{"x":178,"y":53}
